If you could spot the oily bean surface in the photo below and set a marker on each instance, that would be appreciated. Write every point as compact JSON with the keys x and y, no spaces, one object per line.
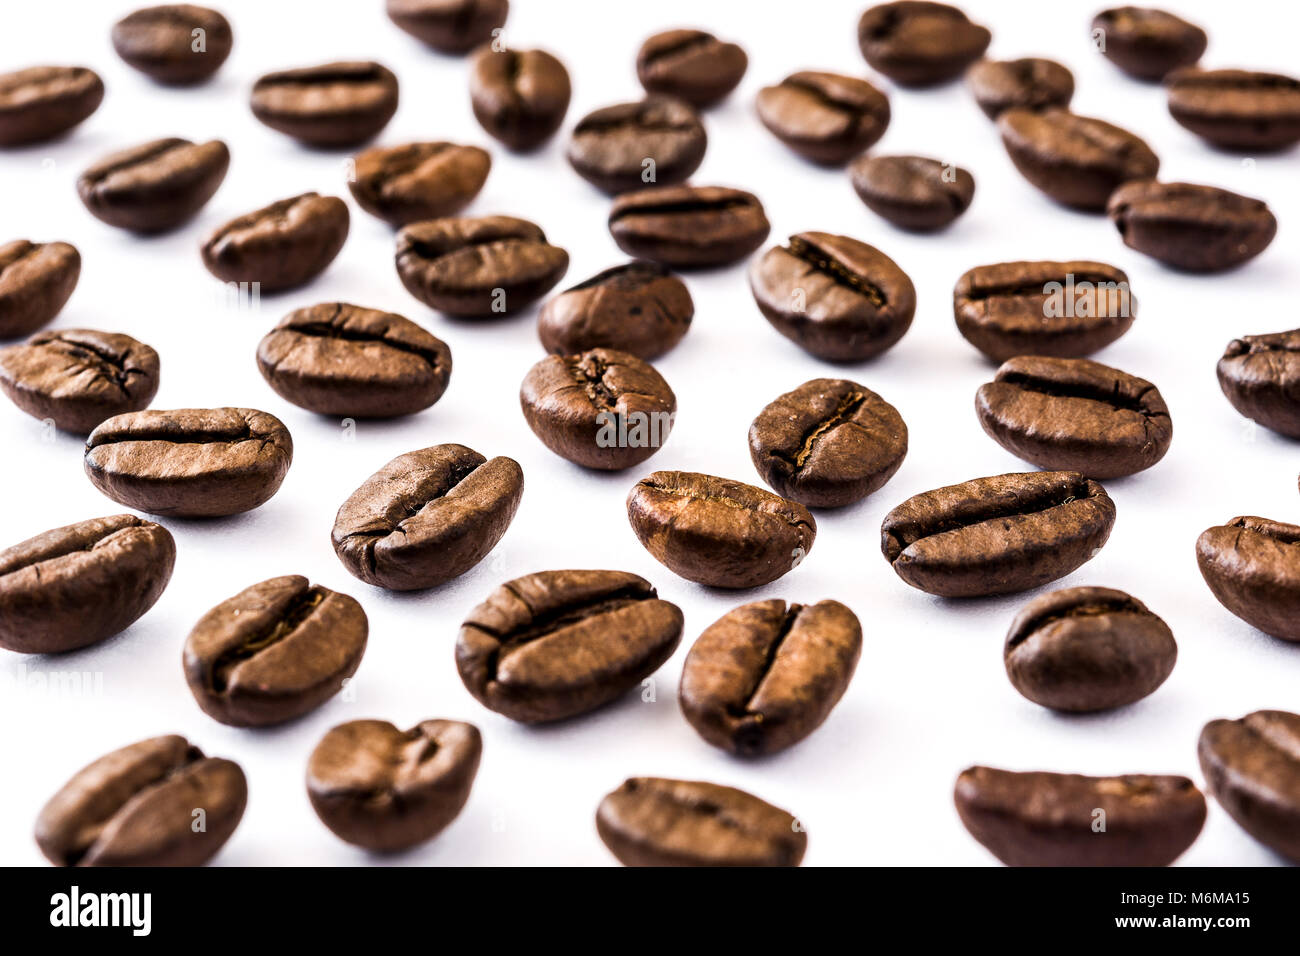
{"x":36,"y":279}
{"x":691,"y":65}
{"x":658,"y":140}
{"x":452,"y":26}
{"x":1237,"y":109}
{"x":1031,"y":83}
{"x":912,"y":192}
{"x":163,"y":42}
{"x":1252,"y":767}
{"x":417,"y":181}
{"x":1146,"y":43}
{"x":1252,"y":566}
{"x":519,"y":96}
{"x":827,"y":118}
{"x":42,"y":102}
{"x":334,"y":104}
{"x":689,"y":227}
{"x":155,"y":186}
{"x":918,"y":43}
{"x":1191,"y":227}
{"x":280,"y":246}
{"x":1260,"y":376}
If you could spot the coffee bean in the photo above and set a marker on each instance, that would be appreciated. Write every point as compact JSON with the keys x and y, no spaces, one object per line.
{"x":652,"y":821}
{"x":1190,"y":227}
{"x":36,"y":279}
{"x":599,"y":409}
{"x":997,"y":535}
{"x":1237,"y":109}
{"x":280,"y":246}
{"x":386,"y":789}
{"x":1252,"y":566}
{"x":190,"y":463}
{"x":49,"y":584}
{"x":1067,"y":414}
{"x":837,"y":298}
{"x":477,"y":268}
{"x":1031,"y":83}
{"x":426,"y":517}
{"x":1063,"y":309}
{"x":690,"y":64}
{"x":405,"y":184}
{"x":155,"y":186}
{"x":689,"y":227}
{"x":920,"y":44}
{"x":658,"y":140}
{"x":340,"y":359}
{"x":1252,"y":767}
{"x":1067,"y":819}
{"x":76,"y":378}
{"x":719,"y":532}
{"x":1260,"y":375}
{"x":639,"y":307}
{"x":1087,"y":649}
{"x":825,"y":117}
{"x":174,"y":44}
{"x":912,"y":192}
{"x":1147,"y":43}
{"x":556,"y":644}
{"x":137,"y":806}
{"x":334,"y":104}
{"x":274,"y":651}
{"x":519,"y":96}
{"x":42,"y":102}
{"x":828,"y":443}
{"x":1076,"y":160}
{"x":766,"y":675}
{"x":452,"y":26}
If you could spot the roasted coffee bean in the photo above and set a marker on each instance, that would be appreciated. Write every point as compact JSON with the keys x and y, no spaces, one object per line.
{"x":1190,"y":227}
{"x":997,"y":535}
{"x":493,"y":265}
{"x":386,"y":789}
{"x":174,"y":44}
{"x":556,"y":644}
{"x":1252,"y":767}
{"x":75,"y":586}
{"x":274,"y":651}
{"x":1050,"y":819}
{"x":334,"y":104}
{"x":452,"y":26}
{"x":912,"y":192}
{"x":1076,"y":160}
{"x":689,"y":227}
{"x":1260,"y":375}
{"x":639,"y":307}
{"x":651,"y":821}
{"x":426,"y":517}
{"x":766,"y":675}
{"x":1088,"y":649}
{"x":825,"y":117}
{"x":658,"y":140}
{"x":155,"y":186}
{"x":828,"y":443}
{"x":837,"y":298}
{"x":1252,"y":566}
{"x":42,"y":102}
{"x":405,"y":184}
{"x":36,"y":279}
{"x":1146,"y":43}
{"x":280,"y":246}
{"x":599,"y":409}
{"x":76,"y":378}
{"x":1067,"y":414}
{"x":190,"y":463}
{"x":1031,"y":83}
{"x":1064,"y":309}
{"x":340,"y":359}
{"x":1237,"y":109}
{"x":920,"y":44}
{"x":690,"y":64}
{"x":519,"y":96}
{"x":719,"y":532}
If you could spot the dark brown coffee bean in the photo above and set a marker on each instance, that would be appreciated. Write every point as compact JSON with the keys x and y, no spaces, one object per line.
{"x":138,"y":806}
{"x":280,"y":246}
{"x":1067,"y":819}
{"x":334,"y":104}
{"x":1146,"y":43}
{"x":1067,"y":414}
{"x":1031,"y":83}
{"x":1252,"y":767}
{"x":426,"y":517}
{"x":1065,"y":309}
{"x":825,"y":117}
{"x":599,"y":409}
{"x":340,"y":359}
{"x":1076,"y":160}
{"x":837,"y":298}
{"x":274,"y":651}
{"x":689,"y":227}
{"x":452,"y":26}
{"x":690,"y":64}
{"x":556,"y":644}
{"x":1252,"y":566}
{"x":659,"y":140}
{"x":1190,"y":227}
{"x":36,"y":279}
{"x":191,"y":462}
{"x":766,"y":675}
{"x":719,"y":532}
{"x":1260,"y":375}
{"x":920,"y":44}
{"x":652,"y":821}
{"x":639,"y":307}
{"x":912,"y":192}
{"x":42,"y":102}
{"x":174,"y":44}
{"x":78,"y":585}
{"x":404,"y":184}
{"x":155,"y":186}
{"x":997,"y":535}
{"x":1088,"y":649}
{"x":1237,"y":109}
{"x":519,"y":96}
{"x":386,"y":789}
{"x":828,"y":443}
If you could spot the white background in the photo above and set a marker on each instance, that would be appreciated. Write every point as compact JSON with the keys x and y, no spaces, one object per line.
{"x":874,"y":785}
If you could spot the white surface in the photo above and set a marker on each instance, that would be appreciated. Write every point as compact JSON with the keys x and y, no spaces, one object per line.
{"x":930,"y":696}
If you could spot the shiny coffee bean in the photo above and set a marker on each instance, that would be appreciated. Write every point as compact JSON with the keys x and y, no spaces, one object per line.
{"x":691,"y":65}
{"x":334,"y":104}
{"x":174,"y":44}
{"x":1031,"y":83}
{"x":42,"y":102}
{"x":280,"y":246}
{"x":1252,"y":566}
{"x":920,"y":44}
{"x":519,"y":96}
{"x":912,"y":192}
{"x":1237,"y":109}
{"x":1252,"y":767}
{"x":1190,"y":227}
{"x":1147,"y":43}
{"x":405,"y":184}
{"x":36,"y":279}
{"x":452,"y":26}
{"x":1260,"y":375}
{"x":689,"y":227}
{"x":659,"y":140}
{"x":824,"y":117}
{"x":155,"y":186}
